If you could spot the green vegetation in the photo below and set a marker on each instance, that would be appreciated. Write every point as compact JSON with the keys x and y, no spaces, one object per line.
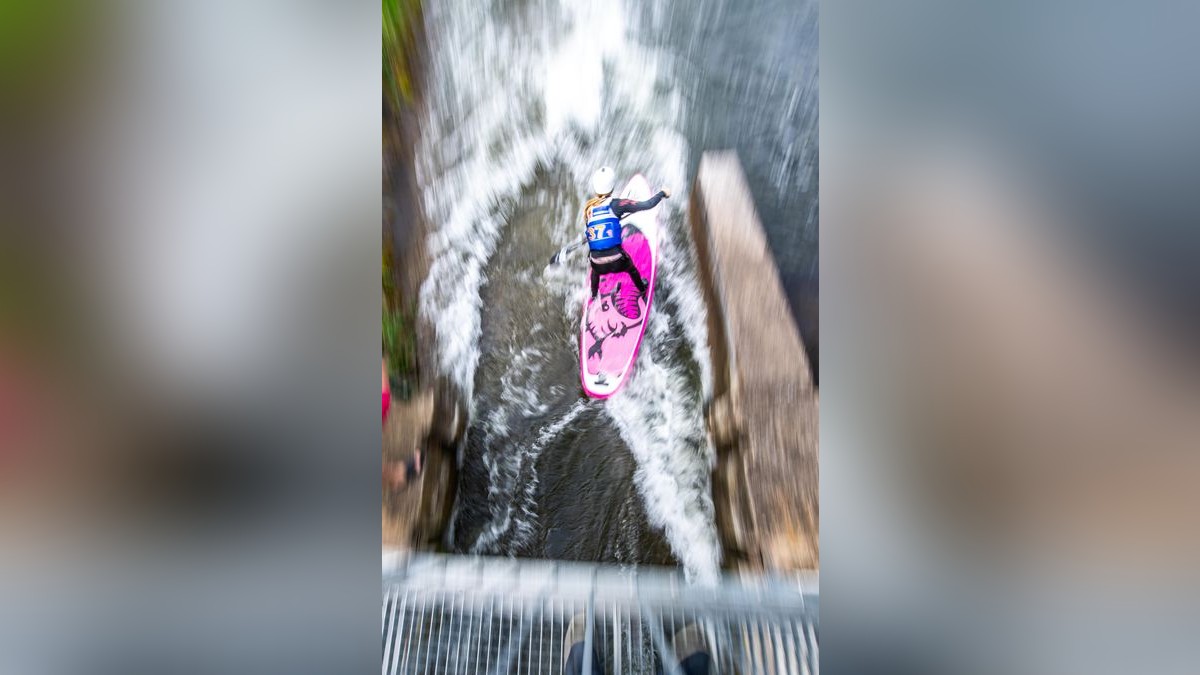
{"x":399,"y":17}
{"x":399,"y":333}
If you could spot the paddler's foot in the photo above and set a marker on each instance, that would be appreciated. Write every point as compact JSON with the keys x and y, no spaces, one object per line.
{"x":574,"y":646}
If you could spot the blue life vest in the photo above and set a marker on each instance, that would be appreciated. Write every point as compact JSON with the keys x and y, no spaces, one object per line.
{"x":603,"y":227}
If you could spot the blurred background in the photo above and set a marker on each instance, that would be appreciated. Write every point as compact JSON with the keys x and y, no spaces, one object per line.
{"x":188,"y":325}
{"x":187,"y":348}
{"x":1009,"y":428}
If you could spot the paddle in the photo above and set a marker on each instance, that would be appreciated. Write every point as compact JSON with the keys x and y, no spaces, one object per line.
{"x":565,"y":250}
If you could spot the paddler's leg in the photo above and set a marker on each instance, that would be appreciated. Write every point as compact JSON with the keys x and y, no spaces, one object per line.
{"x":595,"y":279}
{"x":574,"y":646}
{"x":632,"y":270}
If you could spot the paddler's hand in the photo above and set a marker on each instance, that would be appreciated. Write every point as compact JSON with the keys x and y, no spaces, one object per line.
{"x":666,"y":192}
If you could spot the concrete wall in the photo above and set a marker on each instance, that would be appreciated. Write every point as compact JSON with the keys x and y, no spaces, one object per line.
{"x":763,"y":414}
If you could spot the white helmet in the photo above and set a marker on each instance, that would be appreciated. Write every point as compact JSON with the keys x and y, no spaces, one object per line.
{"x":603,"y":180}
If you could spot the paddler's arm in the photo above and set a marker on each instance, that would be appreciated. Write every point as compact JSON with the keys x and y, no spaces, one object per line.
{"x":624,"y":207}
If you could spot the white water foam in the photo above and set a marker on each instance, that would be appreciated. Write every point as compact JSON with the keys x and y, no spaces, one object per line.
{"x":665,"y":432}
{"x":561,"y":84}
{"x":518,"y":468}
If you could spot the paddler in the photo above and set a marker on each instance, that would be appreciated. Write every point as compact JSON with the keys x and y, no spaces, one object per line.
{"x":602,"y":222}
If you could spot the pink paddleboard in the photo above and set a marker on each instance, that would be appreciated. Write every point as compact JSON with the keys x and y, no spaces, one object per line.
{"x":613,"y":324}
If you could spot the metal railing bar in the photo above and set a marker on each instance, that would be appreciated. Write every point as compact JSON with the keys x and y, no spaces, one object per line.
{"x":797,"y":630}
{"x":780,"y":651}
{"x":455,"y":651}
{"x":388,"y":625}
{"x":418,"y":619}
{"x":436,"y":641}
{"x":541,"y":651}
{"x":814,"y":649}
{"x":487,"y":652}
{"x":629,"y":643}
{"x":789,"y":640}
{"x":616,"y":641}
{"x":398,"y":620}
{"x":504,"y":665}
{"x":588,"y":642}
{"x":427,"y":635}
{"x":444,"y":634}
{"x":666,"y":655}
{"x":755,"y":642}
{"x":765,"y":646}
{"x":388,"y":598}
{"x":746,"y":644}
{"x":641,"y":637}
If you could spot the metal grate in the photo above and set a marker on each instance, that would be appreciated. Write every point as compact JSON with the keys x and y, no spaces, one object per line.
{"x":449,"y":614}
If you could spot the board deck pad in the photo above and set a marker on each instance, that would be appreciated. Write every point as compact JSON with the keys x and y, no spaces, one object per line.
{"x":613,"y":325}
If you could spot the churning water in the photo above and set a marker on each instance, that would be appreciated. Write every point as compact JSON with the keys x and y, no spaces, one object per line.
{"x":526,"y":98}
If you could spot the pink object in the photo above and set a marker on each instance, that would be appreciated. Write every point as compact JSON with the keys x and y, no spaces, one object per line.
{"x":613,"y":324}
{"x":387,"y":401}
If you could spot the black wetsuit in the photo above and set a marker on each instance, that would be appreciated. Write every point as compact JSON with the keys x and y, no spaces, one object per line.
{"x":623,"y":263}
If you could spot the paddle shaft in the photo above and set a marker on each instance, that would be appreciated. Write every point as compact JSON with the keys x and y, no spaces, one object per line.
{"x":565,"y":250}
